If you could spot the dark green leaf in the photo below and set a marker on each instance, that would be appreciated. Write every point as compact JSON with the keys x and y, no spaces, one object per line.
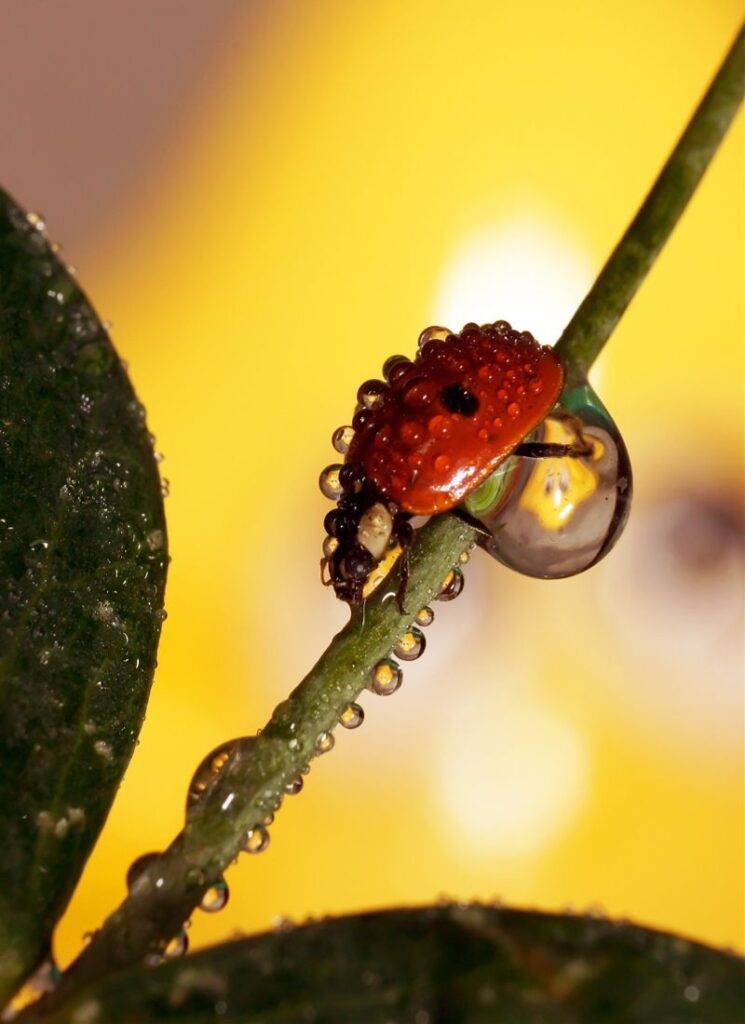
{"x":82,"y":570}
{"x":443,"y":965}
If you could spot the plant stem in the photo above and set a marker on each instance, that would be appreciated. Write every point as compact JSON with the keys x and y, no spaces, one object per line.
{"x":628,"y":265}
{"x":252,"y":781}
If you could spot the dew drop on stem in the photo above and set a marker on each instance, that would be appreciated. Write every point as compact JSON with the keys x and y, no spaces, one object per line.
{"x":352,"y":716}
{"x":257,"y":840}
{"x":386,"y":677}
{"x":215,"y":898}
{"x":411,"y":645}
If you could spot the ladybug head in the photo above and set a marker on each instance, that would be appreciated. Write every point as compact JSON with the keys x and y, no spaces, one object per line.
{"x":361,"y":530}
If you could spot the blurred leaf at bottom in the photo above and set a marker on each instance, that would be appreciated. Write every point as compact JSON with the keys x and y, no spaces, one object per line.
{"x":441,"y":965}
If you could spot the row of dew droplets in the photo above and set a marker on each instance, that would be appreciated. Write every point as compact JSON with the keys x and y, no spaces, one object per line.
{"x":387,"y":676}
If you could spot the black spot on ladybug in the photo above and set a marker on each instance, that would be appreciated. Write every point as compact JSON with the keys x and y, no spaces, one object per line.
{"x":458,"y":399}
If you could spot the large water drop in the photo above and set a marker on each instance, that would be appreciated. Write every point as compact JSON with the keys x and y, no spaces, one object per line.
{"x":552,"y":517}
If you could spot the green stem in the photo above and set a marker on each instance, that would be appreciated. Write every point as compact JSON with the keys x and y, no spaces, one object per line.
{"x":252,"y":781}
{"x":631,"y":260}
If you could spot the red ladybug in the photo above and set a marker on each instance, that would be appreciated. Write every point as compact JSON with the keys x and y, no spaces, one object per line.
{"x":427,"y":436}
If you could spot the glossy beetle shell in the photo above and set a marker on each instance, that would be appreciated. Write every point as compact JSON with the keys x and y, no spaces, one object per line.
{"x":440,"y":425}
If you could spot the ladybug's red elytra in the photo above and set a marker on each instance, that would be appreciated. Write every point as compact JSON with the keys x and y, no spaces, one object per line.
{"x":427,"y":436}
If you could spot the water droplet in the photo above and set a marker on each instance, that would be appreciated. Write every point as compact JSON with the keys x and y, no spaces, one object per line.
{"x":553,"y":517}
{"x":465,"y":557}
{"x":215,"y":897}
{"x":342,"y":438}
{"x":324,"y":743}
{"x":433,"y":334}
{"x":257,"y":840}
{"x":177,"y":946}
{"x":137,"y":867}
{"x":425,"y":616}
{"x":329,"y":482}
{"x":371,"y":393}
{"x":411,"y":645}
{"x":330,"y":545}
{"x":394,"y":366}
{"x":451,"y":586}
{"x":386,"y":677}
{"x":294,"y":785}
{"x":210,"y":767}
{"x":352,"y":716}
{"x":165,"y":487}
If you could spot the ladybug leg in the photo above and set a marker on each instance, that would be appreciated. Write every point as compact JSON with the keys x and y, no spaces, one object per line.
{"x":465,"y":517}
{"x":541,"y":450}
{"x":404,"y":534}
{"x":404,"y":582}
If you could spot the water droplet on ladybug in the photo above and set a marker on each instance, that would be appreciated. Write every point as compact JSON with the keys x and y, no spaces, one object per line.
{"x":425,"y":616}
{"x":433,"y":334}
{"x":386,"y":677}
{"x":451,"y":586}
{"x":352,"y":716}
{"x":257,"y":840}
{"x":330,"y":545}
{"x":342,"y":439}
{"x":215,"y":897}
{"x":324,"y":743}
{"x":371,"y":393}
{"x":394,"y":367}
{"x":411,"y":645}
{"x":553,"y":517}
{"x":330,"y":483}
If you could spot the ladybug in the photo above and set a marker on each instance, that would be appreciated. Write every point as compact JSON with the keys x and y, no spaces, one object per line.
{"x":426,"y":437}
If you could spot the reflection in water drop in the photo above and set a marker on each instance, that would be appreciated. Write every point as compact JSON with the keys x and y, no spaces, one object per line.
{"x":411,"y":645}
{"x":451,"y":586}
{"x":425,"y":616}
{"x":257,"y":840}
{"x":352,"y":716}
{"x":553,"y":517}
{"x":324,"y":743}
{"x":215,"y":897}
{"x":138,"y":866}
{"x":329,"y":482}
{"x":386,"y":677}
{"x":207,"y":770}
{"x":177,"y":946}
{"x":294,"y":785}
{"x":342,"y":438}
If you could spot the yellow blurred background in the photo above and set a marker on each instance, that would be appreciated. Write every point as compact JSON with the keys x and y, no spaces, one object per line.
{"x":328,"y":179}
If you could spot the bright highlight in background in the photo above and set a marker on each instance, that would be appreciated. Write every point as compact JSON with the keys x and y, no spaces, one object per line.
{"x":524,"y":270}
{"x":520,"y":777}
